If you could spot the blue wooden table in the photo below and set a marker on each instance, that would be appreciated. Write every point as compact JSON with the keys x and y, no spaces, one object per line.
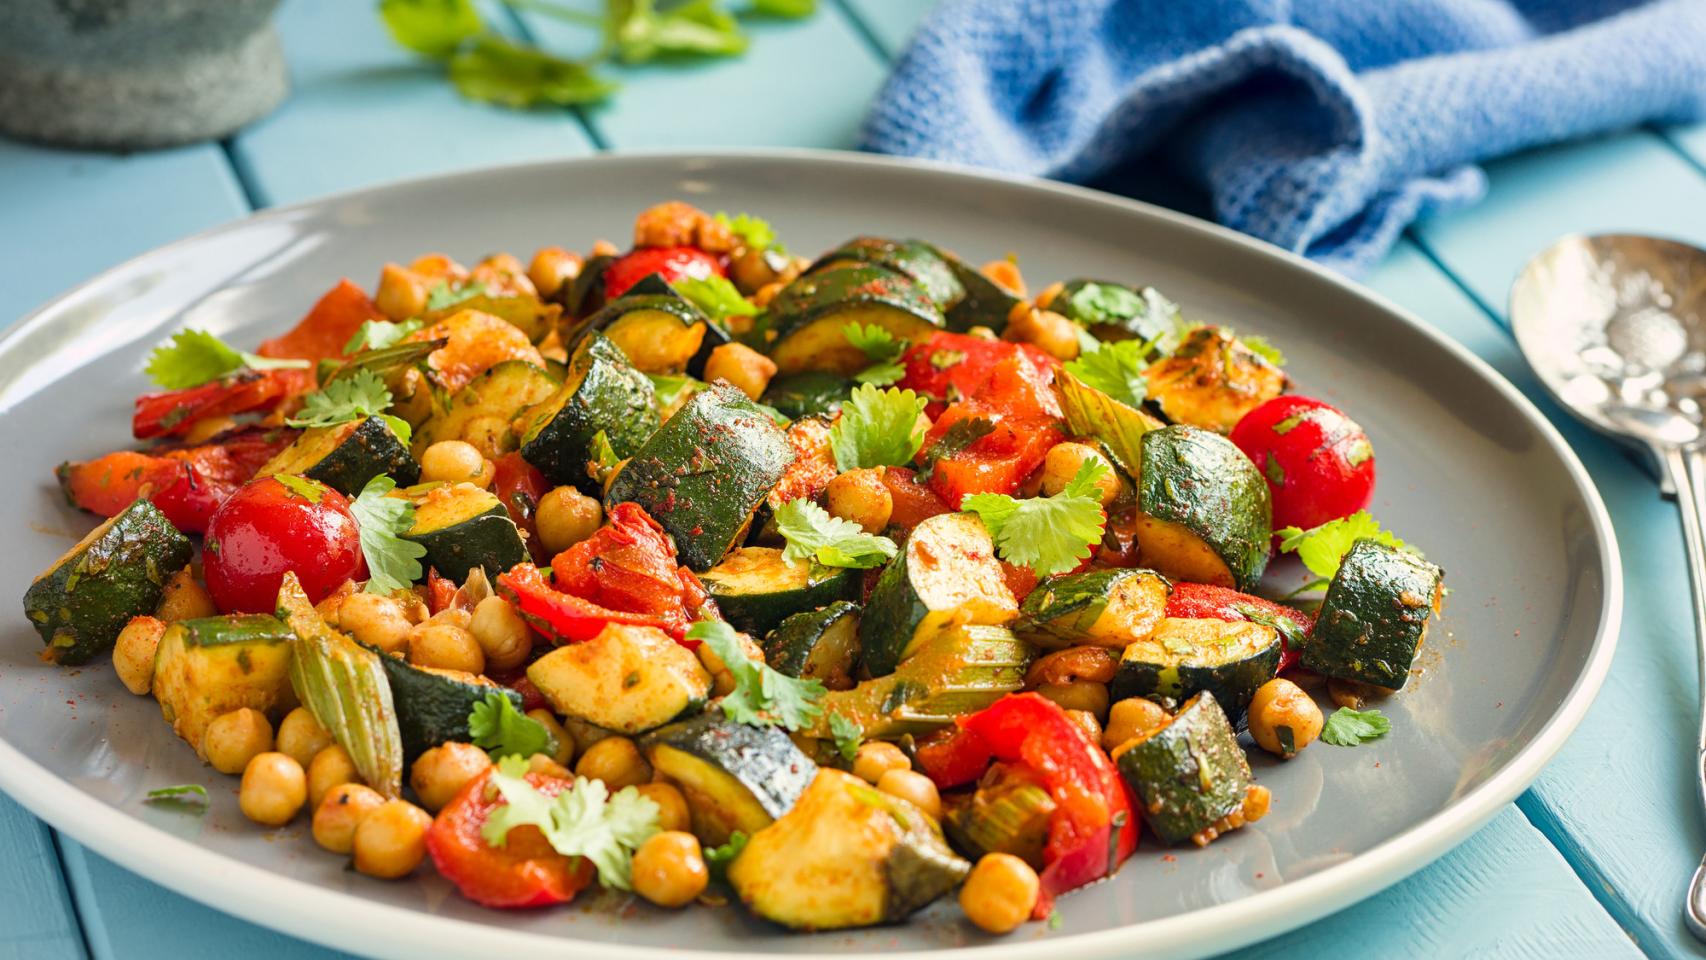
{"x":1591,"y":862}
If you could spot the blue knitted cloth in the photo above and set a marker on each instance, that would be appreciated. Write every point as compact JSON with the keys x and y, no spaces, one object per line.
{"x":1323,"y":126}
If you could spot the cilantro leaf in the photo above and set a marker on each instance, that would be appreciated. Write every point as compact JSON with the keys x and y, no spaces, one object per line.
{"x":1048,"y":534}
{"x":309,"y":490}
{"x":1347,"y":727}
{"x":392,"y":562}
{"x":792,"y":9}
{"x":498,"y":71}
{"x":717,"y":859}
{"x":434,"y":28}
{"x":716,"y":296}
{"x":960,"y":435}
{"x":379,"y":334}
{"x":585,"y":820}
{"x":497,"y":727}
{"x":178,"y":793}
{"x":1114,"y":368}
{"x":1262,"y":348}
{"x":1321,"y":548}
{"x":762,"y":696}
{"x":1105,"y":303}
{"x":356,"y":398}
{"x":848,"y":735}
{"x":671,"y":390}
{"x":881,"y":349}
{"x":603,"y":453}
{"x":877,"y":428}
{"x":812,"y":534}
{"x":754,"y":232}
{"x":639,"y":32}
{"x":444,"y":295}
{"x":194,"y":357}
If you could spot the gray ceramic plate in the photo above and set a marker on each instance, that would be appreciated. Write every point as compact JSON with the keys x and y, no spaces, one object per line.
{"x":1468,"y":471}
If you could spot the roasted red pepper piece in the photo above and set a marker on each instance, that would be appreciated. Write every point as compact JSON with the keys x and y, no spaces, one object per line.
{"x":520,"y":486}
{"x":525,"y":872}
{"x":442,"y":593}
{"x":672,"y":263}
{"x":1201,"y":601}
{"x":997,"y":462}
{"x":629,"y":564}
{"x":329,"y":325}
{"x":1094,"y":826}
{"x":914,"y":502}
{"x":562,"y":617}
{"x":246,"y":391}
{"x":950,"y":367}
{"x":186,"y":483}
{"x":951,"y":757}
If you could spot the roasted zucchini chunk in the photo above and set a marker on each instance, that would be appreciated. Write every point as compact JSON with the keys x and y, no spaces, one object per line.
{"x":433,"y":705}
{"x":847,"y":855}
{"x":1375,"y":615}
{"x":1007,"y":813}
{"x":1190,"y":774}
{"x":734,"y":776}
{"x":821,"y":645}
{"x":584,"y":295}
{"x":524,"y":311}
{"x":629,"y":679}
{"x":1114,"y":311}
{"x":1106,"y":608}
{"x":660,"y":332}
{"x":985,"y":304}
{"x":482,"y":412}
{"x":1204,"y":513}
{"x":946,"y":575}
{"x":601,"y":392}
{"x":1229,"y":658}
{"x":705,"y":471}
{"x":1212,"y":380}
{"x":960,"y":671}
{"x":919,"y":261}
{"x":808,"y":394}
{"x":81,"y":603}
{"x":346,"y":456}
{"x":463,"y":527}
{"x":206,"y":668}
{"x":809,"y":315}
{"x":756,"y":589}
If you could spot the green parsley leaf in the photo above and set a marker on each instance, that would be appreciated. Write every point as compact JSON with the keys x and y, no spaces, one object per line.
{"x":960,"y":435}
{"x":1114,"y":368}
{"x":881,"y":349}
{"x":379,"y":334}
{"x":585,"y":820}
{"x":498,"y":71}
{"x":443,"y":295}
{"x":1347,"y":727}
{"x":392,"y":562}
{"x":1048,"y":534}
{"x":355,"y":398}
{"x":1055,"y":920}
{"x":812,"y":534}
{"x":1262,"y":348}
{"x":877,"y":428}
{"x":1105,"y":303}
{"x":717,"y":859}
{"x":848,"y":735}
{"x":754,"y":232}
{"x":497,"y":727}
{"x":309,"y":490}
{"x":639,"y":32}
{"x":716,"y":296}
{"x":434,"y":28}
{"x":1321,"y":548}
{"x":762,"y":696}
{"x":792,"y":9}
{"x":672,"y":390}
{"x":194,"y":357}
{"x":178,"y":793}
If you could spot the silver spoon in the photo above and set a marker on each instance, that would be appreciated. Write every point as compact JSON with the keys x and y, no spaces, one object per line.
{"x":1615,"y":325}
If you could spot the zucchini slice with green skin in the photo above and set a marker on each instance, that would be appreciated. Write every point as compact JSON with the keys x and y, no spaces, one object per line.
{"x":756,"y":589}
{"x":118,"y":571}
{"x":734,"y":776}
{"x":808,"y":394}
{"x":705,"y":471}
{"x":1204,"y":512}
{"x":946,"y":575}
{"x":1190,"y":773}
{"x":584,"y":295}
{"x":1375,"y":615}
{"x":918,"y":260}
{"x":809,"y":316}
{"x":820,"y":645}
{"x":1010,"y":815}
{"x":482,"y":412}
{"x":1227,"y":658}
{"x":629,"y":679}
{"x":659,"y":332}
{"x":346,"y":456}
{"x":847,"y":855}
{"x":204,"y":669}
{"x":1150,"y":315}
{"x":601,"y":392}
{"x":961,"y":671}
{"x":1106,"y":608}
{"x":433,"y":705}
{"x":463,"y":527}
{"x":986,"y":303}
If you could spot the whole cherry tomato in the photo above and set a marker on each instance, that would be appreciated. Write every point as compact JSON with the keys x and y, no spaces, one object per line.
{"x":1318,"y":462}
{"x":672,"y":262}
{"x":273,"y":525}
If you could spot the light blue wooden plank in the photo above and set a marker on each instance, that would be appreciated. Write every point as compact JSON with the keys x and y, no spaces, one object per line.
{"x":364,"y":111}
{"x":891,"y":22}
{"x":36,"y":918}
{"x":1691,"y":140}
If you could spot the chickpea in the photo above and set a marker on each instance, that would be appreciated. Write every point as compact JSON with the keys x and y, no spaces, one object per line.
{"x":742,"y":366}
{"x":184,"y":599}
{"x":375,"y":620}
{"x":552,"y":267}
{"x":440,"y":773}
{"x":1005,"y":273}
{"x":677,"y":224}
{"x":301,"y":737}
{"x":390,"y":842}
{"x":1284,"y":719}
{"x":672,"y":806}
{"x":1053,"y":333}
{"x":1045,"y":296}
{"x":616,"y":761}
{"x":445,"y":646}
{"x":1063,"y":462}
{"x":488,"y":435}
{"x":1000,"y":893}
{"x":913,"y":786}
{"x":565,"y":739}
{"x":604,"y":248}
{"x":1131,"y":718}
{"x":669,"y":869}
{"x":756,"y":268}
{"x":451,"y":461}
{"x":207,"y":428}
{"x":434,"y":267}
{"x":1081,"y":695}
{"x":1257,"y":799}
{"x":501,"y":634}
{"x":133,"y":653}
{"x":861,"y":496}
{"x":340,"y":812}
{"x":329,"y":768}
{"x":722,"y":680}
{"x":235,"y":738}
{"x":877,"y":757}
{"x":566,"y":517}
{"x":1353,"y":693}
{"x":273,"y":789}
{"x":546,"y":767}
{"x":1088,"y":723}
{"x":402,"y":292}
{"x":1074,"y":665}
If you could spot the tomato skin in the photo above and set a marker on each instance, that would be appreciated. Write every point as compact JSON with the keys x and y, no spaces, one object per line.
{"x":997,"y":462}
{"x":520,"y":486}
{"x":1317,"y":461}
{"x":1202,"y":601}
{"x":914,"y":502}
{"x":629,"y":565}
{"x":953,"y":366}
{"x":188,"y":483}
{"x":525,"y":872}
{"x":246,"y":391}
{"x":266,"y":529}
{"x":672,"y":263}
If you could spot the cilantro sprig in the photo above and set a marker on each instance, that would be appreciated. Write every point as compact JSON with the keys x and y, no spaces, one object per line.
{"x":959,"y":435}
{"x":848,"y":735}
{"x":392,"y":562}
{"x":877,"y":428}
{"x":356,"y":398}
{"x":1347,"y":727}
{"x":716,"y":296}
{"x":497,"y":727}
{"x":194,"y":357}
{"x":179,"y":793}
{"x":1048,"y":534}
{"x":379,"y":334}
{"x":812,"y":534}
{"x":1322,"y":548}
{"x":1114,"y":368}
{"x":755,"y":232}
{"x":718,"y":858}
{"x":762,"y":696}
{"x":882,"y":353}
{"x":585,"y":820}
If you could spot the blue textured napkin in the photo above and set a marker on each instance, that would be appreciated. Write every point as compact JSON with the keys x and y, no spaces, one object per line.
{"x":1324,"y":126}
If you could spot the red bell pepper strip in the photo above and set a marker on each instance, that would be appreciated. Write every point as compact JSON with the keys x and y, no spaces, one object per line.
{"x":329,"y":325}
{"x":671,"y":263}
{"x":914,"y":502}
{"x":520,"y":486}
{"x":629,"y":564}
{"x":997,"y":462}
{"x":951,"y":757}
{"x":1201,"y":601}
{"x":186,"y":483}
{"x":246,"y":391}
{"x":1095,"y":823}
{"x":562,"y":617}
{"x":950,"y":367}
{"x":525,"y":872}
{"x":441,"y":592}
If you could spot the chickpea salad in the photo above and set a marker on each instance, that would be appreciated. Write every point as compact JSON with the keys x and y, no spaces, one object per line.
{"x":833,"y":586}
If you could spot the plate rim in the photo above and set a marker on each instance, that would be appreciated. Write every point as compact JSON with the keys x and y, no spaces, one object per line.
{"x":344,"y":921}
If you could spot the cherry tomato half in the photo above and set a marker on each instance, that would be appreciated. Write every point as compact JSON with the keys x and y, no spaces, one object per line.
{"x":672,"y":263}
{"x":1318,"y":462}
{"x":274,"y":525}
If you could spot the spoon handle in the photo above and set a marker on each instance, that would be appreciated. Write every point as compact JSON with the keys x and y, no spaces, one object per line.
{"x":1686,"y":469}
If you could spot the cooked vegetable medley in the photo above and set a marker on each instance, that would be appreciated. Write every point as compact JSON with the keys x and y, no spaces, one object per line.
{"x":844,"y":584}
